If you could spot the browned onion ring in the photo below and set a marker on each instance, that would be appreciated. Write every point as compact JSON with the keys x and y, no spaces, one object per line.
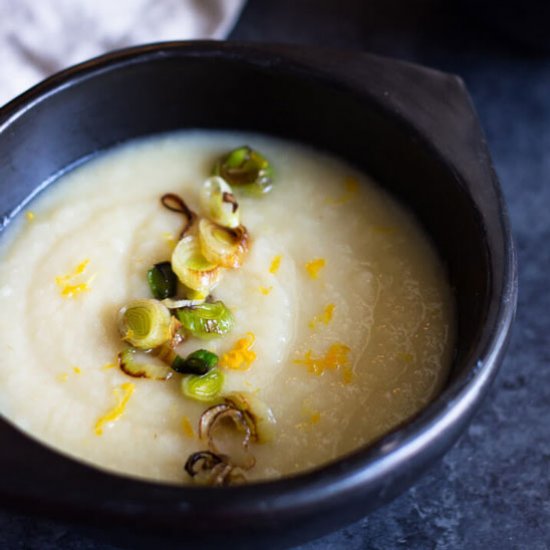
{"x":175,"y":203}
{"x":217,"y":413}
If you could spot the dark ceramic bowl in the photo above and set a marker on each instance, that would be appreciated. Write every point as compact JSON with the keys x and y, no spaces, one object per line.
{"x":412,"y":128}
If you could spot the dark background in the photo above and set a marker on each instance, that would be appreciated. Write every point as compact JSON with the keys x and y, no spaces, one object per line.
{"x":492,"y":490}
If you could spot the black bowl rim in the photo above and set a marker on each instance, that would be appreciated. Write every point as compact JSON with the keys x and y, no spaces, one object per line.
{"x":364,"y":467}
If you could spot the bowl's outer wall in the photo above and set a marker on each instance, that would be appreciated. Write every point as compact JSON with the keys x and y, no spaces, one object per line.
{"x":412,"y":128}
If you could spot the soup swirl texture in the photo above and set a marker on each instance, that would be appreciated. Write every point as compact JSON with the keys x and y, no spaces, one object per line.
{"x":341,"y":298}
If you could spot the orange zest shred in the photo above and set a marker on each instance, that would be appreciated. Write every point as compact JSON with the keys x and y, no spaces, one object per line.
{"x":241,"y":356}
{"x":352,"y":187}
{"x":122,"y":395}
{"x":187,"y":427}
{"x":265,"y":290}
{"x":325,"y":317}
{"x":314,"y":266}
{"x":77,"y":370}
{"x":312,"y":417}
{"x":335,"y":358}
{"x":275,"y":264}
{"x":315,"y":417}
{"x":29,"y":215}
{"x":69,"y":288}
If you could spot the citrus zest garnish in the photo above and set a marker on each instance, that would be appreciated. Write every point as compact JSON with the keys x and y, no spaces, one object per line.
{"x":315,"y":417}
{"x":265,"y":290}
{"x":187,"y":427}
{"x":325,"y":317}
{"x":275,"y":264}
{"x":312,"y":417}
{"x":29,"y":215}
{"x":70,"y":289}
{"x":314,"y":266}
{"x":352,"y":186}
{"x":241,"y":356}
{"x":77,"y":370}
{"x":122,"y":394}
{"x":335,"y":358}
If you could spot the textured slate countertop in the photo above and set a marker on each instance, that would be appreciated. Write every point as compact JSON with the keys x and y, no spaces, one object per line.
{"x":493,"y":488}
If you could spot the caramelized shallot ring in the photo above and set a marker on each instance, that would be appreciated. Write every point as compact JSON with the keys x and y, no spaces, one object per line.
{"x":217,"y":413}
{"x":175,"y":203}
{"x":220,"y":470}
{"x":209,"y":459}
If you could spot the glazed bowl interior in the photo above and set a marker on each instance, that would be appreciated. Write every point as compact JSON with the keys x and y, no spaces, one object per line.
{"x":160,"y":90}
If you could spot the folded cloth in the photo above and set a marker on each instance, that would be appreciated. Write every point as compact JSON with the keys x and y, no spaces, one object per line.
{"x":40,"y":37}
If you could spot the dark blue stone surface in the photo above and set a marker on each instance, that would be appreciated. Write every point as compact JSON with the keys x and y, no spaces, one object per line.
{"x":492,"y":490}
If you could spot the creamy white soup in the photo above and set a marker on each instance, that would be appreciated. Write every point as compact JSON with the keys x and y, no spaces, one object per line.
{"x":343,"y":316}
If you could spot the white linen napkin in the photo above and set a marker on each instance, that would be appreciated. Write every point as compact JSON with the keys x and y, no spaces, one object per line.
{"x":40,"y":37}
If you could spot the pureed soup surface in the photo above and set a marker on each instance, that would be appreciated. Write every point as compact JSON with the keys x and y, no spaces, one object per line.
{"x":346,"y":303}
